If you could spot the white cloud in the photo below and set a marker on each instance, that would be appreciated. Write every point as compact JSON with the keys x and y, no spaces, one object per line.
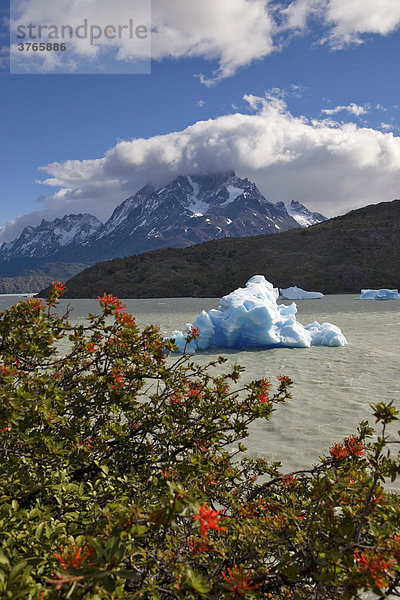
{"x":233,"y":33}
{"x":347,"y":20}
{"x":84,"y":23}
{"x":352,"y":108}
{"x":299,"y":12}
{"x":330,"y":166}
{"x":390,"y":127}
{"x":352,"y":18}
{"x":297,"y":90}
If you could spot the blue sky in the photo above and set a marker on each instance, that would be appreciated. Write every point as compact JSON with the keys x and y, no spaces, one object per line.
{"x":307,"y":107}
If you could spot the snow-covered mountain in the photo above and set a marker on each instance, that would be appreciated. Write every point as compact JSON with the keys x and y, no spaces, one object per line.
{"x":303,"y":216}
{"x":187,"y":211}
{"x":51,"y":237}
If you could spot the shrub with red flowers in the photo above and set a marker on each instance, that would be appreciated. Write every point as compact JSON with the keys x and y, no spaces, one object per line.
{"x":352,"y":446}
{"x":123,"y":475}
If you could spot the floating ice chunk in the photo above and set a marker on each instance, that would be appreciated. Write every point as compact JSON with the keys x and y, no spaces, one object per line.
{"x":206,"y":330}
{"x":325,"y":334}
{"x":251,"y":317}
{"x":295,"y":293}
{"x":383,"y":294}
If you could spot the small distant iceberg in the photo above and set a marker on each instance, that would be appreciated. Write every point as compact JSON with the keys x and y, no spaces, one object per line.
{"x":383,"y":294}
{"x":295,"y":293}
{"x":250,"y":317}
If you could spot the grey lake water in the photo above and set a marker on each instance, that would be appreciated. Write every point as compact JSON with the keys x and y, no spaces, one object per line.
{"x":334,"y":387}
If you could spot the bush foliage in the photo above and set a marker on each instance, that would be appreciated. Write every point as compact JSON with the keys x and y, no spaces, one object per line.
{"x":123,"y":475}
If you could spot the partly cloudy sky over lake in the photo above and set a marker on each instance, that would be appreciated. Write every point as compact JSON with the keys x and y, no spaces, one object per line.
{"x":302,"y":97}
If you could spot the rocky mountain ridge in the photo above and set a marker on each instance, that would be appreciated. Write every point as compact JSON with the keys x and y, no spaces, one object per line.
{"x":51,"y":237}
{"x":187,"y":211}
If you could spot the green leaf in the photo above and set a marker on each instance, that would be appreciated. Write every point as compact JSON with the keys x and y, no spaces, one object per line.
{"x":17,"y":569}
{"x":39,"y":530}
{"x":197,"y":582}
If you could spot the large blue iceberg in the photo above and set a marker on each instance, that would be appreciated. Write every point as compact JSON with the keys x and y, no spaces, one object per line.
{"x":296,"y":293}
{"x":382,"y":294}
{"x":251,"y":317}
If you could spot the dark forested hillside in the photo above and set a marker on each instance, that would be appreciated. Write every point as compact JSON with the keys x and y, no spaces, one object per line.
{"x":342,"y":255}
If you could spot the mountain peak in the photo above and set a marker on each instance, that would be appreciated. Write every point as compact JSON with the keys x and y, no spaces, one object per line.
{"x":188,"y":210}
{"x":212,"y":180}
{"x":50,"y":237}
{"x":303,"y":216}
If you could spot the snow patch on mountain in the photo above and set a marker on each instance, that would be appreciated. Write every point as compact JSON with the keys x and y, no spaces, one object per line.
{"x":302,"y":215}
{"x":196,"y":206}
{"x":234,"y":192}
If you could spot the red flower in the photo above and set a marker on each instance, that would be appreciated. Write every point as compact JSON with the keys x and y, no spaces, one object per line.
{"x":35,"y":303}
{"x":375,"y":565}
{"x":168,"y":473}
{"x":111,"y":302}
{"x":354,"y":445}
{"x":193,"y":331}
{"x":285,"y":379}
{"x":176,"y":399}
{"x":197,"y":546}
{"x":338,"y":451}
{"x":208,"y":519}
{"x":59,"y":286}
{"x":194,"y":390}
{"x":289,"y":480}
{"x":265,"y":386}
{"x":74,"y":556}
{"x":86,"y":443}
{"x":238,"y":581}
{"x":126,"y":319}
{"x":117,"y":379}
